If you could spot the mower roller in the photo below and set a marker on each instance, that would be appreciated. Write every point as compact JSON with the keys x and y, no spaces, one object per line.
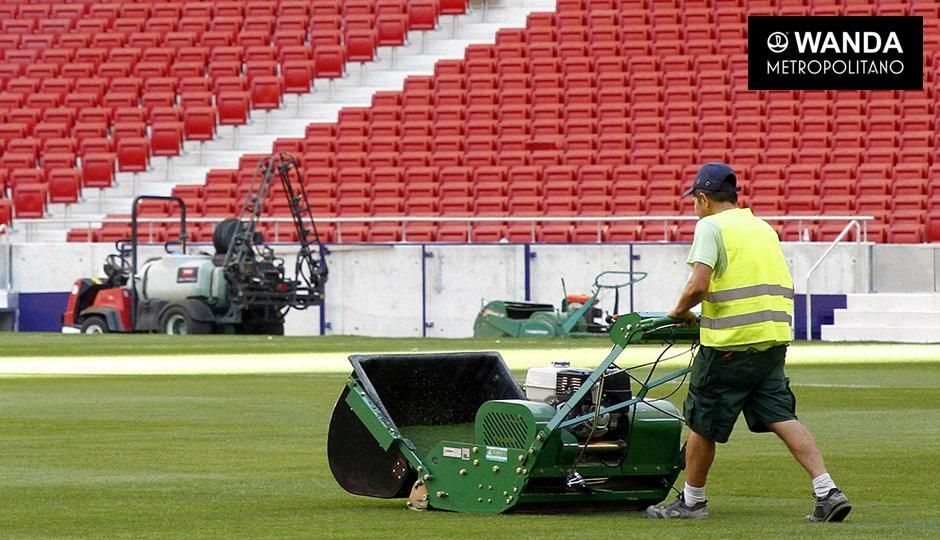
{"x":454,"y":431}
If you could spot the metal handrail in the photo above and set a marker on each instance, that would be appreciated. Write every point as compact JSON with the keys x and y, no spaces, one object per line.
{"x":469,"y":220}
{"x":809,"y":301}
{"x":442,"y":219}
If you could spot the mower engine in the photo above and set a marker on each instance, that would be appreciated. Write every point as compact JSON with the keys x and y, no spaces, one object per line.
{"x":557,"y":383}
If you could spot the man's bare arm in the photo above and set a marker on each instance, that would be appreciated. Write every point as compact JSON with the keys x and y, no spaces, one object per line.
{"x":693,"y":293}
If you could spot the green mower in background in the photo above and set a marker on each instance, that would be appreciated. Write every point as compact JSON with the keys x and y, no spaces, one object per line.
{"x":454,"y":431}
{"x":578,"y":316}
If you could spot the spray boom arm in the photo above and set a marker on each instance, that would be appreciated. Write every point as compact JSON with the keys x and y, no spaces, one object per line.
{"x":255,"y":275}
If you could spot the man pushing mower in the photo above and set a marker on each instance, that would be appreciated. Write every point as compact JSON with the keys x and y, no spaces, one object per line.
{"x":741,"y":278}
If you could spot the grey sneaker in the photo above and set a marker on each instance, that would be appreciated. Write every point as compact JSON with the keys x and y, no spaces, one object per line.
{"x":679,"y":510}
{"x":833,"y":507}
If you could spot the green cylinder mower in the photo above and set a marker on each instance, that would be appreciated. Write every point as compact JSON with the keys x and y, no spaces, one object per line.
{"x":454,"y":431}
{"x":578,"y":315}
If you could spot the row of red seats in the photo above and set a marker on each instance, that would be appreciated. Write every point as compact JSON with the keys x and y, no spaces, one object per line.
{"x":585,"y":70}
{"x":518,"y":123}
{"x":572,"y":11}
{"x":567,"y":113}
{"x":545,"y":122}
{"x":516,"y":130}
{"x":578,"y":119}
{"x":186,"y":8}
{"x":612,"y":157}
{"x":901,"y":209}
{"x":583,"y":175}
{"x":381,"y":31}
{"x":500,"y":232}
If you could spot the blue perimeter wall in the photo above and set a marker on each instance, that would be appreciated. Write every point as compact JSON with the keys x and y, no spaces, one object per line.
{"x":823,"y":307}
{"x":42,"y":312}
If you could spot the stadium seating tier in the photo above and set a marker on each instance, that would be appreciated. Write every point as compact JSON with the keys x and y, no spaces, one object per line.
{"x":601,"y":108}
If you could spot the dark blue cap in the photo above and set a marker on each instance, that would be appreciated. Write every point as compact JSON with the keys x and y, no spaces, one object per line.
{"x":714,"y":176}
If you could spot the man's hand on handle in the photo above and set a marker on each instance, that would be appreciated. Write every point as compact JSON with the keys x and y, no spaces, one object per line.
{"x":686,"y":318}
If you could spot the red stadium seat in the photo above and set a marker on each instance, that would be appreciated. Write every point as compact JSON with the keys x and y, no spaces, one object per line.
{"x":233,"y":107}
{"x":166,"y":138}
{"x":329,"y":61}
{"x":133,"y":154}
{"x":298,"y":75}
{"x":360,"y":45}
{"x":266,"y":92}
{"x":29,"y":201}
{"x":422,"y":14}
{"x":98,"y":170}
{"x":391,"y":29}
{"x":199,"y":123}
{"x":64,"y":185}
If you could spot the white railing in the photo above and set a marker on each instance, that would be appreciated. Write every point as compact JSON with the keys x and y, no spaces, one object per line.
{"x":147,"y":224}
{"x":860,"y":237}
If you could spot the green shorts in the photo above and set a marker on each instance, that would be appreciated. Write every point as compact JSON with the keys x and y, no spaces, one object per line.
{"x":725,"y":383}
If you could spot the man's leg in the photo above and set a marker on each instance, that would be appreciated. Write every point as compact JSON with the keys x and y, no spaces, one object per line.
{"x":831,"y":503}
{"x":801,"y":444}
{"x":699,"y":455}
{"x":708,"y":421}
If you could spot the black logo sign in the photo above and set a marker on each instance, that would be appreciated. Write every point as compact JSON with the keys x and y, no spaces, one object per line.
{"x":835,"y":53}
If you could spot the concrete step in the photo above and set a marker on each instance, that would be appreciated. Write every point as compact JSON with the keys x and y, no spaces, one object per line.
{"x":893,"y":302}
{"x":909,"y":319}
{"x":881,"y":333}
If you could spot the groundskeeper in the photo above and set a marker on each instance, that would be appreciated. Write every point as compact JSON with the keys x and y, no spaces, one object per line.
{"x":741,"y":278}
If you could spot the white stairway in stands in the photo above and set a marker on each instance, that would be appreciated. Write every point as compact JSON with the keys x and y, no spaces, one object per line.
{"x":449,"y":41}
{"x":907,"y":318}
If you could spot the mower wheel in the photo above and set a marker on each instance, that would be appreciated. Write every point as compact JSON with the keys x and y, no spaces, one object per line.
{"x":176,"y":321}
{"x":94,"y":324}
{"x":255,"y":323}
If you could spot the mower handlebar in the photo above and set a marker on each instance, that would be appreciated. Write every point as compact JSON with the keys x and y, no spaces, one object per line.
{"x":638,"y":327}
{"x":634,"y":277}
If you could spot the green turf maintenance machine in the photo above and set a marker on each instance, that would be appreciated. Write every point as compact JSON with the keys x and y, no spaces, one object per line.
{"x":454,"y":431}
{"x":578,"y":316}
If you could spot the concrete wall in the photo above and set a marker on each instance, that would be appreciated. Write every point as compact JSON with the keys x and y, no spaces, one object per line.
{"x":437,"y":290}
{"x":459,"y":278}
{"x":906,"y":268}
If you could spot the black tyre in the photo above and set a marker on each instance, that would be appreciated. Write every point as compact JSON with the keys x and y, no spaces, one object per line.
{"x":223,"y":233}
{"x":176,"y":321}
{"x":94,"y":324}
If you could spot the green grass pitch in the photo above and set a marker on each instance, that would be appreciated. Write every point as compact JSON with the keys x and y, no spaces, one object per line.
{"x":244,"y":455}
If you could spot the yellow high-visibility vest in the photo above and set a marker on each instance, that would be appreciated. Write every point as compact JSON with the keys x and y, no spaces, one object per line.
{"x":752,"y":301}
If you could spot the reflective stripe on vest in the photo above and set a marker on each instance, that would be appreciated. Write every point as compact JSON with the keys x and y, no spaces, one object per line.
{"x":747,"y":292}
{"x":752,"y":301}
{"x":747,"y":318}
